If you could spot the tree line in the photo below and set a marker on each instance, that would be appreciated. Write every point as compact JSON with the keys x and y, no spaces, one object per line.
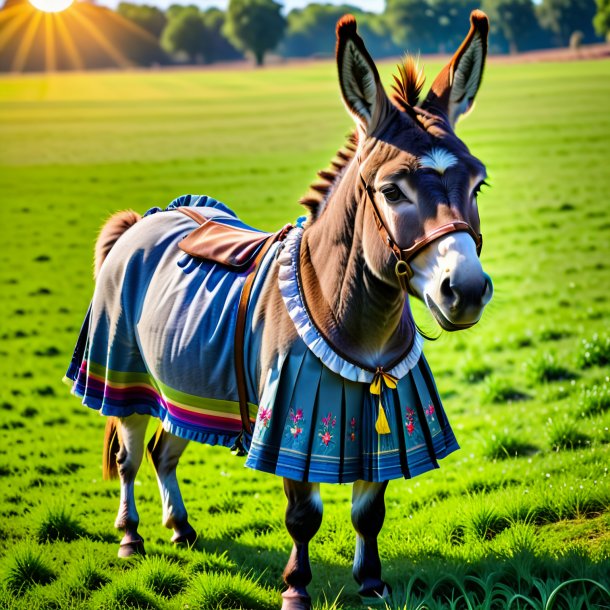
{"x":258,"y":27}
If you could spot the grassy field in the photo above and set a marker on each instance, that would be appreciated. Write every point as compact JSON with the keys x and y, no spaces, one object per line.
{"x":522,"y":509}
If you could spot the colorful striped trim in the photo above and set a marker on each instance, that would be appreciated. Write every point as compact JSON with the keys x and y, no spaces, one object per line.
{"x":126,"y":392}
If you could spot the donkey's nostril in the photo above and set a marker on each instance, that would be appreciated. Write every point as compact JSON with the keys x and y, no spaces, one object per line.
{"x":450,"y":295}
{"x":488,"y":290}
{"x":446,"y":289}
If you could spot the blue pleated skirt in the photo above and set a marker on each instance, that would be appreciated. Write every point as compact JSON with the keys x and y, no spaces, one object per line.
{"x":314,"y":425}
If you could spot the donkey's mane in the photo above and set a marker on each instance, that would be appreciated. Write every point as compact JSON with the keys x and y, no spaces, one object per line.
{"x":319,"y":191}
{"x":408,"y":84}
{"x":406,"y":89}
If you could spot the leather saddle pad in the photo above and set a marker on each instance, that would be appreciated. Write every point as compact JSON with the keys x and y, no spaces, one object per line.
{"x":228,"y":245}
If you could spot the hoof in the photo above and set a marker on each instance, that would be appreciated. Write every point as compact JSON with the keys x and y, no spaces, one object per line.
{"x":186,"y":538}
{"x":293,"y":600}
{"x":377,"y":596}
{"x":131,"y":547}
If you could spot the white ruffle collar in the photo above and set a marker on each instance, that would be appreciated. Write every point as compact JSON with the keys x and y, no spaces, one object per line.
{"x":288,"y":259}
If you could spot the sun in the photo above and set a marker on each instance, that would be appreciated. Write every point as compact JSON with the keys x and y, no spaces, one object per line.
{"x":51,"y":6}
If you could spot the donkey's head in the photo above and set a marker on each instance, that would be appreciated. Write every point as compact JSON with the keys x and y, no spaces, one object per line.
{"x":416,"y":179}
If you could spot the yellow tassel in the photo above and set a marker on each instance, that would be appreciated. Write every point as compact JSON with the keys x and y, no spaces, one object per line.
{"x":381,"y":425}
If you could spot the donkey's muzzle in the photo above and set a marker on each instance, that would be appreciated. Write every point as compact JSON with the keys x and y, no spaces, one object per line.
{"x":459,"y":304}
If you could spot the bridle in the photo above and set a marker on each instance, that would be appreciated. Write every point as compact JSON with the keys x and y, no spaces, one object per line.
{"x":404,"y":256}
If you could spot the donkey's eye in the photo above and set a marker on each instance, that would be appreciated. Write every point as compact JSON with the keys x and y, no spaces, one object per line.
{"x":478,"y":187}
{"x":392,"y":193}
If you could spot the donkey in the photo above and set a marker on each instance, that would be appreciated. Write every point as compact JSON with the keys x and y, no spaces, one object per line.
{"x":330,"y":383}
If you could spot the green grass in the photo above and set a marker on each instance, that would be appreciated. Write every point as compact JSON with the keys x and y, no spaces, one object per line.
{"x":59,"y":524}
{"x":26,"y":568}
{"x":521,"y":510}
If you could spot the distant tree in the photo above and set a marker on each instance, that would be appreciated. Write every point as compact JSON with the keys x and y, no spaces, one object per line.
{"x":198,"y":34}
{"x":217,"y":46}
{"x":311,"y":30}
{"x":149,"y":18}
{"x":562,"y":17}
{"x":376,"y":31}
{"x":602,"y":18}
{"x":451,"y":22}
{"x":514,"y":19}
{"x":186,"y":32}
{"x":255,"y":25}
{"x":176,"y":9}
{"x":411,"y":23}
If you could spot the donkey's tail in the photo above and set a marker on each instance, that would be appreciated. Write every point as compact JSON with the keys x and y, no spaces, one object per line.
{"x":115,"y":226}
{"x":111,"y":448}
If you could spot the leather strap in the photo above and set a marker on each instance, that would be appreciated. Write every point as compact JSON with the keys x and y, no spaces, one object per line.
{"x":450,"y":227}
{"x":405,"y":255}
{"x":240,"y":328}
{"x":242,"y":311}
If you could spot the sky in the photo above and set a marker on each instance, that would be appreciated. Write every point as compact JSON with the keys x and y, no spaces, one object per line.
{"x":369,"y":5}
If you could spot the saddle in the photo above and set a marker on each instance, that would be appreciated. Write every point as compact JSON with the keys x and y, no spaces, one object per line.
{"x":241,"y":250}
{"x":234,"y":247}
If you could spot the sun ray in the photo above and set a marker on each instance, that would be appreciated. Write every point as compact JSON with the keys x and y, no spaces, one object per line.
{"x":26,"y":43}
{"x":13,"y":11}
{"x":50,"y":62}
{"x":9,"y":29}
{"x":66,"y":38}
{"x":101,"y":39}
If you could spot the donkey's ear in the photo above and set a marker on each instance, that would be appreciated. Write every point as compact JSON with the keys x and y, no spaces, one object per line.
{"x":455,"y":88}
{"x":361,"y":87}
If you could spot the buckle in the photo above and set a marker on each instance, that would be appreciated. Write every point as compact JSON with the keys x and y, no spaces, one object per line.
{"x":403,"y":269}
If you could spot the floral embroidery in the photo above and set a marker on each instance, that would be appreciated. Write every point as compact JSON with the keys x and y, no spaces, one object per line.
{"x":328,"y":424}
{"x":296,"y":430}
{"x":264,"y":415}
{"x":430,"y":412}
{"x":352,"y":432}
{"x":409,"y":421}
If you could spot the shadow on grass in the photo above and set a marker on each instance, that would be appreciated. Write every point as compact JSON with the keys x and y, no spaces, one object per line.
{"x":436,"y":580}
{"x":575,"y":581}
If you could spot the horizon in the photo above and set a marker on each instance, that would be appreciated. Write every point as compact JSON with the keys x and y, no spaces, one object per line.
{"x":373,"y":6}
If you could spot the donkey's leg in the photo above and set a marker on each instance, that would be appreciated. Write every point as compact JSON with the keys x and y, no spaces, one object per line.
{"x":132,"y":431}
{"x":303,"y":519}
{"x":165,"y":450}
{"x":368,"y":513}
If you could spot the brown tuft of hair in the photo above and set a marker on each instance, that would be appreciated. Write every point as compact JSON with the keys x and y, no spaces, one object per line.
{"x":115,"y":226}
{"x":409,"y":83}
{"x":346,"y":26}
{"x":111,"y":448}
{"x":479,"y":19}
{"x":320,"y":190}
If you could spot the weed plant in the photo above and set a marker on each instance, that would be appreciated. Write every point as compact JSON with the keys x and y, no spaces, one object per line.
{"x":212,"y":562}
{"x":89,"y":577}
{"x":226,"y":591}
{"x":506,"y":444}
{"x":475,"y":370}
{"x":161,"y":576}
{"x":545,"y":367}
{"x":483,"y":520}
{"x":594,"y":351}
{"x":595,"y":399}
{"x":565,"y":433}
{"x":27,"y":567}
{"x":58,"y":523}
{"x":498,"y":390}
{"x":125,"y":593}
